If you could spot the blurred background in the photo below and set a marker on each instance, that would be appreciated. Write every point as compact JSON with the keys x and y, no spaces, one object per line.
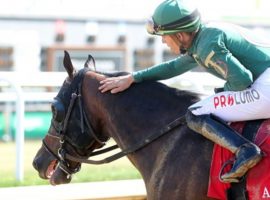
{"x":34,"y":33}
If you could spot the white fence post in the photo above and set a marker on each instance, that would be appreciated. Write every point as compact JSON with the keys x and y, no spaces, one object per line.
{"x":19,"y":137}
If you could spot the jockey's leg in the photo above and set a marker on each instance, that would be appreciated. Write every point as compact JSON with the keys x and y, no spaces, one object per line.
{"x":231,"y":106}
{"x":247,"y":153}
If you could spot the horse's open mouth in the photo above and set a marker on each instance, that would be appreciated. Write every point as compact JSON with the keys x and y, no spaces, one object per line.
{"x":51,"y":168}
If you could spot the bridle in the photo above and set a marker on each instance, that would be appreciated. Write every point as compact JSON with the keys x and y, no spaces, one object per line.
{"x":61,"y":128}
{"x":60,"y":123}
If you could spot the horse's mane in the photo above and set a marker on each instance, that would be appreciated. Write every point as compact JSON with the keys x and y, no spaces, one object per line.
{"x":160,"y":87}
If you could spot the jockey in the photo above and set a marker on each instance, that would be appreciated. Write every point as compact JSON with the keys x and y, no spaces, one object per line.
{"x":225,"y":51}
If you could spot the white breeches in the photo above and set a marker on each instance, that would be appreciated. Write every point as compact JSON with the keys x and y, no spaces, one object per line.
{"x":250,"y":104}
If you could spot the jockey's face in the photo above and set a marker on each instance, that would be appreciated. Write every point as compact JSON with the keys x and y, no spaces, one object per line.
{"x":178,"y":41}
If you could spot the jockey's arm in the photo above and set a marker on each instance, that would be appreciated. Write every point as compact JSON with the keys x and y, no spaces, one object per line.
{"x":166,"y":70}
{"x":158,"y":72}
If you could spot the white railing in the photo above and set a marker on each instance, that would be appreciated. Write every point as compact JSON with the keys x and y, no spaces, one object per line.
{"x":105,"y":190}
{"x":18,"y":81}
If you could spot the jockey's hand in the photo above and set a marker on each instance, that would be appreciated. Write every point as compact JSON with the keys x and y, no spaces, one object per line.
{"x":116,"y":84}
{"x":218,"y":90}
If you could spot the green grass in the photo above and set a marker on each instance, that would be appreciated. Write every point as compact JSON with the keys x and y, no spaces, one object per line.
{"x":117,"y":170}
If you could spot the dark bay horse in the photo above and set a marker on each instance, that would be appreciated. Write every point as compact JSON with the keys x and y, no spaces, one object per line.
{"x":174,"y":166}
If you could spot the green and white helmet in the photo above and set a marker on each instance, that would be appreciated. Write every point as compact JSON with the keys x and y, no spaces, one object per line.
{"x":173,"y":16}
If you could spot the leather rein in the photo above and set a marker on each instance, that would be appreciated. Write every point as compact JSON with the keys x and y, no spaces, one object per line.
{"x":63,"y":155}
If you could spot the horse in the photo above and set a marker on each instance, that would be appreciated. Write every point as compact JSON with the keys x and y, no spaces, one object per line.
{"x":146,"y":122}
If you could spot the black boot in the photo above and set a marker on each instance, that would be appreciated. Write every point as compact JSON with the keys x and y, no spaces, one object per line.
{"x":247,"y":154}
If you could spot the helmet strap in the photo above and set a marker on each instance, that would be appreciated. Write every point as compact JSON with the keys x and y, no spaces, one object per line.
{"x":182,"y":50}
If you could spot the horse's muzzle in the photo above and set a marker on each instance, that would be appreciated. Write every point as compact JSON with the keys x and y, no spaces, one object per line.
{"x":42,"y":165}
{"x":42,"y":172}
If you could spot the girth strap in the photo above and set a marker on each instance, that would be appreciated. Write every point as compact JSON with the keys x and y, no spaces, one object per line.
{"x":251,"y":128}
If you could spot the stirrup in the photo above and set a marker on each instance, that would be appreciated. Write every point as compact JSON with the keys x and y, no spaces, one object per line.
{"x":221,"y":173}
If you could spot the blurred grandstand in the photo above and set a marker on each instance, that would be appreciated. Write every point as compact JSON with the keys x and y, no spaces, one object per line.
{"x":34,"y":33}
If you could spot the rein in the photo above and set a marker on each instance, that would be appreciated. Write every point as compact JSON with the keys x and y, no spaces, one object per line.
{"x":179,"y":121}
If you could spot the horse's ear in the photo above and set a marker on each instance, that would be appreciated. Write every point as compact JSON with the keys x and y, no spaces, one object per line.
{"x":68,"y":65}
{"x":90,"y":62}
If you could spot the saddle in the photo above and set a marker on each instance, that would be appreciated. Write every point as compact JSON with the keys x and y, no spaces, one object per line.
{"x":256,"y":183}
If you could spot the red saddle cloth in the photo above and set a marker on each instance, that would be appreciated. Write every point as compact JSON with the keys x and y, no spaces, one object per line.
{"x":258,"y":178}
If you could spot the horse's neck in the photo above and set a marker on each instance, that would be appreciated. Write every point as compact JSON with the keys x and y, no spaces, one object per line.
{"x":132,"y":116}
{"x":137,"y":112}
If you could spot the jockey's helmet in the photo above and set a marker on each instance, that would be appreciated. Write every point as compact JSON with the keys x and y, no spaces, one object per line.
{"x":173,"y":16}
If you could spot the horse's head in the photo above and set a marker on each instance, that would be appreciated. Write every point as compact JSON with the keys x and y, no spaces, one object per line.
{"x":70,"y":131}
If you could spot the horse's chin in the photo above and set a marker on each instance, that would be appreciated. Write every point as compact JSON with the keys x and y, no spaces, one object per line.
{"x":59,"y":177}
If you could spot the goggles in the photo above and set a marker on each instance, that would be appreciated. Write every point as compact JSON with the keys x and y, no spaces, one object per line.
{"x":152,"y":27}
{"x":184,"y":24}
